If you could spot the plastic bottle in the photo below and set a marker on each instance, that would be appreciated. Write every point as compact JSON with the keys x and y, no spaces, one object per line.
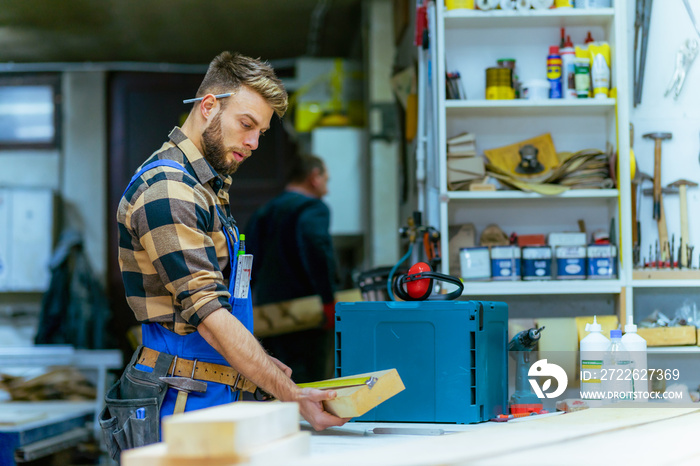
{"x":637,"y":346}
{"x":582,"y":79}
{"x":600,"y":69}
{"x":593,"y":348}
{"x":618,"y":382}
{"x":568,"y":70}
{"x":554,"y":73}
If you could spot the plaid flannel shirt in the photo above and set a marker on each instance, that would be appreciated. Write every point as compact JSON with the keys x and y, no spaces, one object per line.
{"x":172,"y":248}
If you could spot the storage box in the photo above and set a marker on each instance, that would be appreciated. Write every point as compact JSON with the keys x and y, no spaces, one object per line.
{"x":451,"y":356}
{"x":669,"y":336}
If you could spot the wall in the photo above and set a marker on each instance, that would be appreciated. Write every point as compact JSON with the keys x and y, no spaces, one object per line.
{"x":84,"y":174}
{"x":669,"y":28}
{"x":76,"y":173}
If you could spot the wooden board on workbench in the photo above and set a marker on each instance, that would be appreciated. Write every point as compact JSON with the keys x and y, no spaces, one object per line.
{"x":228,"y":430}
{"x":522,"y":438}
{"x":357,"y":400}
{"x":276,"y":452}
{"x":622,"y":446}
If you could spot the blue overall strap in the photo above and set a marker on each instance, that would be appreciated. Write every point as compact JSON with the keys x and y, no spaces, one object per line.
{"x":157,"y":163}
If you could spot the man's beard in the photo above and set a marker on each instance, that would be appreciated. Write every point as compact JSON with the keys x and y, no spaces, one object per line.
{"x":214,"y":150}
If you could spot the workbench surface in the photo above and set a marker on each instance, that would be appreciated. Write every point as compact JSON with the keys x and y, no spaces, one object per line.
{"x":647,"y":435}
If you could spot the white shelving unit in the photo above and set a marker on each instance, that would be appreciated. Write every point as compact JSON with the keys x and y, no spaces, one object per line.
{"x":470,"y":41}
{"x":674,"y":350}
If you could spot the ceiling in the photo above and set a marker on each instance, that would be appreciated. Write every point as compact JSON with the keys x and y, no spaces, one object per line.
{"x":175,"y":31}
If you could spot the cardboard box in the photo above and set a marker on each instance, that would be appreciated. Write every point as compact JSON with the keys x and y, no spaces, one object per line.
{"x":669,"y":336}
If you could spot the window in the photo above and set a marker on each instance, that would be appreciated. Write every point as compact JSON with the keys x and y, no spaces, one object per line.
{"x":29,"y":111}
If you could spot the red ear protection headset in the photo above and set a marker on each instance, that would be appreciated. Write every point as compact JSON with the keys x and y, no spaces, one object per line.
{"x":419,"y":284}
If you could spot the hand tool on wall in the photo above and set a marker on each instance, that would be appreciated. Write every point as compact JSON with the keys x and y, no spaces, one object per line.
{"x":657,"y":137}
{"x":638,"y":182}
{"x":684,"y":59}
{"x":682,"y":186}
{"x":641,"y":26}
{"x":520,"y":348}
{"x":692,"y":16}
{"x":661,"y":221}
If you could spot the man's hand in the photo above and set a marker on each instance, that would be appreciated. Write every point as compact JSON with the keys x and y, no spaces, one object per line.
{"x":285,"y":368}
{"x":311,"y":408}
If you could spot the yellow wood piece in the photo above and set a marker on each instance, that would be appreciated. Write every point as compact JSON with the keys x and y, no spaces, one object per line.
{"x":669,"y":336}
{"x":622,"y":306}
{"x":180,"y":402}
{"x":274,"y":452}
{"x":559,"y":343}
{"x":607,"y":323}
{"x":356,"y":401}
{"x":229,"y":429}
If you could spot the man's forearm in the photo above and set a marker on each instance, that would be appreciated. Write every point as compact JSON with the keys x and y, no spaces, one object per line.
{"x":240,"y":348}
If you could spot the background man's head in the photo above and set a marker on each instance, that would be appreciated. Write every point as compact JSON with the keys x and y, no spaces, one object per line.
{"x":233,"y":125}
{"x":310,"y":172}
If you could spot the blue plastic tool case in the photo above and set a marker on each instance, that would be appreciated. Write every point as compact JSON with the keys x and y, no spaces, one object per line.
{"x":451,"y":356}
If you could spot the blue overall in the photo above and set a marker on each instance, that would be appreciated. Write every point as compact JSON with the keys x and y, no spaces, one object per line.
{"x":194,"y":346}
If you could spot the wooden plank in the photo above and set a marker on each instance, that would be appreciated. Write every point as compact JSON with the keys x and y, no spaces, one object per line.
{"x":668,"y":437}
{"x":606,"y":322}
{"x":296,"y":314}
{"x":274,"y":452}
{"x":356,"y":401}
{"x":669,"y":336}
{"x":559,"y":343}
{"x":230,"y":429}
{"x":665,"y":274}
{"x":524,"y":438}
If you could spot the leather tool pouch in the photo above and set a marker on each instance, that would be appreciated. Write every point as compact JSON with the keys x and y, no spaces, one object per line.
{"x":135,"y":389}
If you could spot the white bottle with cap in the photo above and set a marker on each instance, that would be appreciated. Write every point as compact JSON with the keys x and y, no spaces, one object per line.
{"x":637,"y":347}
{"x":593,"y":349}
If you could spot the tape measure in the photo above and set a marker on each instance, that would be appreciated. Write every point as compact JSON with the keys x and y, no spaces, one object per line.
{"x":340,"y":383}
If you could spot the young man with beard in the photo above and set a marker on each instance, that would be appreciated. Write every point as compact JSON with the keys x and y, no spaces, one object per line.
{"x":177,"y":249}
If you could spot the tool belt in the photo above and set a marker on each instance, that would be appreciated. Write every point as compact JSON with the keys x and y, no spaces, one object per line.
{"x":124,"y":424}
{"x":206,"y":371}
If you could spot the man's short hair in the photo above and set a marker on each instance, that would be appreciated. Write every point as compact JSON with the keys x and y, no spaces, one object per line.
{"x":303,"y":166}
{"x":227,"y":72}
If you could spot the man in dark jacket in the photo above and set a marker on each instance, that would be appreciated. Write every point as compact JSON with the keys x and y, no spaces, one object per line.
{"x":293,"y":258}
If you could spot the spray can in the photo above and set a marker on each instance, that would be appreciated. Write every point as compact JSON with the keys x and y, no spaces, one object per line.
{"x":637,"y":346}
{"x":554,"y":72}
{"x":593,"y":349}
{"x":568,"y":71}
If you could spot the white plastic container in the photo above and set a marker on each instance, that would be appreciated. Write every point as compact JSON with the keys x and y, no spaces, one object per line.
{"x":593,"y":349}
{"x":618,"y":382}
{"x":535,"y":89}
{"x":568,"y":71}
{"x":637,"y":346}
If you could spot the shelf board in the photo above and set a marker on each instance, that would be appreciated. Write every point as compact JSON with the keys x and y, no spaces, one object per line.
{"x":666,"y":283}
{"x":462,"y":18}
{"x":551,"y":287}
{"x":673,"y":349}
{"x":524,"y":107}
{"x":516,"y":195}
